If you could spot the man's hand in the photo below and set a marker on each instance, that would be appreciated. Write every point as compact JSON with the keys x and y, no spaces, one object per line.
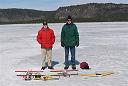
{"x":62,"y":44}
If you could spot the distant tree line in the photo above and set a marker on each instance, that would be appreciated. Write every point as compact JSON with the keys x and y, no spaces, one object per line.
{"x":92,"y":12}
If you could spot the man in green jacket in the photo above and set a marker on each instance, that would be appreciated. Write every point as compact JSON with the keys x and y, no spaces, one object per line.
{"x":69,"y":39}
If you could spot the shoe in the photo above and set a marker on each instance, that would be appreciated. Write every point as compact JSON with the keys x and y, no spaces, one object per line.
{"x":73,"y":67}
{"x":50,"y":67}
{"x":66,"y":67}
{"x":42,"y":68}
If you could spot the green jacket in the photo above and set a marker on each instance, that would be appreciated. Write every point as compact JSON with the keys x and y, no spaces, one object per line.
{"x":69,"y":35}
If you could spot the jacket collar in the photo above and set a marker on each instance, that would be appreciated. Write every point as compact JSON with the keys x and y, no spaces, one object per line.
{"x":69,"y":24}
{"x":44,"y":29}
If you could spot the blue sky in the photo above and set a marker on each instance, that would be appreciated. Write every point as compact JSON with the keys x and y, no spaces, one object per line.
{"x":50,"y":4}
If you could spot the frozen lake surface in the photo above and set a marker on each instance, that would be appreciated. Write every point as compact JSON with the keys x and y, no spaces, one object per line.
{"x":104,"y":45}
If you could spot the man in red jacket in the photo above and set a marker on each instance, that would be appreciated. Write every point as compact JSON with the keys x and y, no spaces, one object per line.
{"x":46,"y":39}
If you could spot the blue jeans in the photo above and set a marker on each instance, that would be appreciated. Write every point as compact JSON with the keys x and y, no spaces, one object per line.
{"x":72,"y":50}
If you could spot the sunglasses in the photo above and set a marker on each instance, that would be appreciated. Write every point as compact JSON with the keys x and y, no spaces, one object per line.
{"x":69,"y":20}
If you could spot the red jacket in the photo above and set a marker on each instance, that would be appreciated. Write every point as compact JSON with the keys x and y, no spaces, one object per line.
{"x":46,"y":38}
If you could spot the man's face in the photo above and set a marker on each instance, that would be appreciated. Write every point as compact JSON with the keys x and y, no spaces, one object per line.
{"x":45,"y":26}
{"x":69,"y":21}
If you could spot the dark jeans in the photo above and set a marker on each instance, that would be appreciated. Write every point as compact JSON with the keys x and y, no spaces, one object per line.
{"x":72,"y":51}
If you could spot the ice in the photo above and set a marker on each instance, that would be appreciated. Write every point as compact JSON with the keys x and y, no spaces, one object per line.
{"x":103,"y":45}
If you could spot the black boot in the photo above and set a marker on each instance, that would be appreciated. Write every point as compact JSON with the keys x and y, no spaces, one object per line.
{"x":73,"y":67}
{"x":50,"y":67}
{"x":42,"y":68}
{"x":66,"y":67}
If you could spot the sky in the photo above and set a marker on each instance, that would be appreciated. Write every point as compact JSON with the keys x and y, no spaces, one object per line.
{"x":49,"y":5}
